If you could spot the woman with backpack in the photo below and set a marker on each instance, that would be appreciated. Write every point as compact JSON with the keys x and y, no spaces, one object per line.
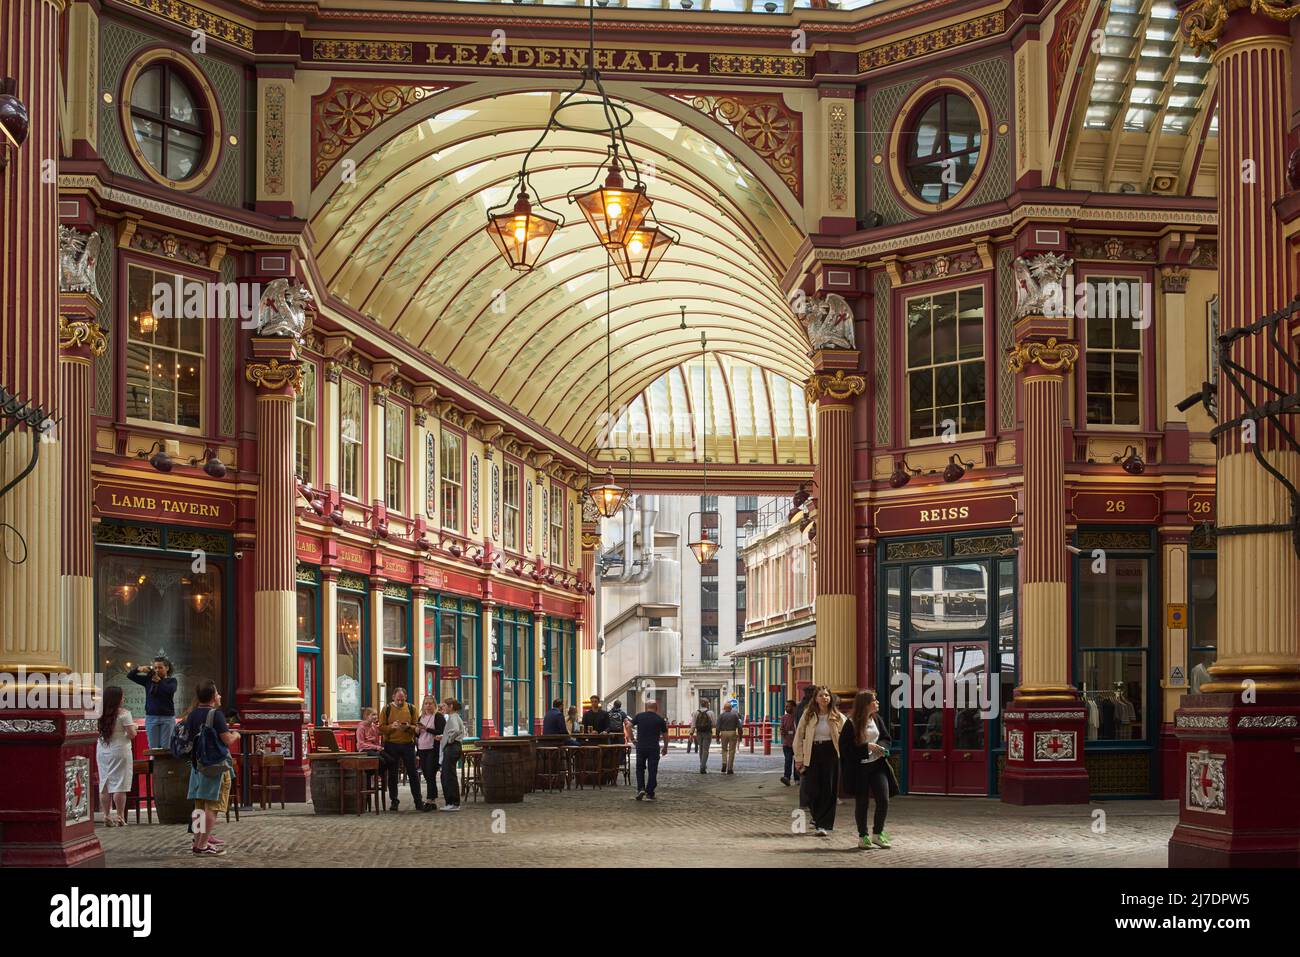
{"x":817,"y":757}
{"x":864,"y":747}
{"x":209,"y":739}
{"x":113,"y":756}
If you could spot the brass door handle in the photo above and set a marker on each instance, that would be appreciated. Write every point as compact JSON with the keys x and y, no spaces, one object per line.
{"x":966,"y":755}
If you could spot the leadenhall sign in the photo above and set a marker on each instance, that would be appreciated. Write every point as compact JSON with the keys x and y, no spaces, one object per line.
{"x":949,"y":513}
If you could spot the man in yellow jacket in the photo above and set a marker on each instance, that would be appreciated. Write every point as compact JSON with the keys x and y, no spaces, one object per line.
{"x":399,"y":725}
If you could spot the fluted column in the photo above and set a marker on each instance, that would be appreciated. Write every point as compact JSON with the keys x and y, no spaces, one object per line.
{"x":277,"y":375}
{"x":1238,"y":738}
{"x":80,"y":342}
{"x":589,"y":625}
{"x":1045,"y":721}
{"x":47,"y":749}
{"x":835,"y":663}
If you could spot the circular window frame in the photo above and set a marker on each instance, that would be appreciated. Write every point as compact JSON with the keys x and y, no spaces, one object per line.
{"x":907,"y":116}
{"x":199,"y":85}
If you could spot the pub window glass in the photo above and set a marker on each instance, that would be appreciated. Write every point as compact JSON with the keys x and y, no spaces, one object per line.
{"x":1112,"y":360}
{"x":347,"y":683}
{"x":949,"y":598}
{"x":350,"y":432}
{"x":148,"y":606}
{"x":395,"y":627}
{"x":945,"y":363}
{"x":894,"y":632}
{"x":164,"y":351}
{"x":1203,"y":633}
{"x":431,"y":644}
{"x":307,"y":633}
{"x":1113,"y":643}
{"x":1006,"y":633}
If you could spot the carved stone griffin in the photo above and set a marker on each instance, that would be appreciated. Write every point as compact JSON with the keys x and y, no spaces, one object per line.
{"x":282,"y":310}
{"x":1039,"y":290}
{"x":78,"y":256}
{"x":829,"y":321}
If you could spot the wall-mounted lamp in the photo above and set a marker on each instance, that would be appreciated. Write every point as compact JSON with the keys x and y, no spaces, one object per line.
{"x":14,"y":119}
{"x":159,"y":459}
{"x":212,"y":464}
{"x":902,"y":473}
{"x":956,"y":468}
{"x":1130,"y":461}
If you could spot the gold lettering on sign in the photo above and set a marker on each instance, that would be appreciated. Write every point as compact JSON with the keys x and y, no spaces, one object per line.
{"x":944,"y":514}
{"x":133,"y":501}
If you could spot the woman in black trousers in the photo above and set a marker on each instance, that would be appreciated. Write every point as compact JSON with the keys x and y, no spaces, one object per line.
{"x":864,"y":750}
{"x":817,"y":758}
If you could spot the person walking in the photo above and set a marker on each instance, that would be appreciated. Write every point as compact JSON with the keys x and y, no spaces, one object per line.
{"x":211,"y":770}
{"x":453,"y":734}
{"x":113,"y":756}
{"x":159,"y":700}
{"x":399,"y":724}
{"x":648,"y":728}
{"x":787,"y":742}
{"x":864,"y":747}
{"x":431,"y":723}
{"x":729,"y":729}
{"x":702,"y":725}
{"x":808,"y":692}
{"x":817,"y":757}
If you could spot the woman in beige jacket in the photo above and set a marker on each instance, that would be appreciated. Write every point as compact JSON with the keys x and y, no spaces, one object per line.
{"x":817,"y":758}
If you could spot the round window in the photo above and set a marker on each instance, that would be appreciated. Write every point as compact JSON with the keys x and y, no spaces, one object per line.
{"x":167,"y":122}
{"x":943,"y":146}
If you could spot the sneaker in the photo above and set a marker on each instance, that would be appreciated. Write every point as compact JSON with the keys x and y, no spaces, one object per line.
{"x":208,"y":851}
{"x":640,"y":795}
{"x":785,"y":781}
{"x":216,"y":842}
{"x":393,"y":806}
{"x":865,"y":843}
{"x":427,"y":806}
{"x":450,"y":807}
{"x":821,"y":832}
{"x":702,"y":771}
{"x":731,"y":771}
{"x":649,"y":797}
{"x":881,"y":839}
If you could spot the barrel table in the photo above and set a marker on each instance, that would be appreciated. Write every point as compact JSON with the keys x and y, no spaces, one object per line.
{"x":171,"y":785}
{"x":326,"y":767}
{"x":507,"y":763}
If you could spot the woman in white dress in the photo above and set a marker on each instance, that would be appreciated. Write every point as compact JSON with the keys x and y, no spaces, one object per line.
{"x":113,"y":756}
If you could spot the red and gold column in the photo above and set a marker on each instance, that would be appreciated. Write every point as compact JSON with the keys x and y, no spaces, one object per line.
{"x":47,"y":748}
{"x":274,"y":700}
{"x":833,"y":387}
{"x":589,"y":624}
{"x":1238,"y":738}
{"x":1045,"y":721}
{"x":80,"y":341}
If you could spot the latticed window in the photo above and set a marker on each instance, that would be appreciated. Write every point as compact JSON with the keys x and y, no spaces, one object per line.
{"x":945,"y":363}
{"x":557,"y":525}
{"x":304,"y":425}
{"x":351,"y":404}
{"x":164,"y":350}
{"x":453,"y":480}
{"x":395,"y":458}
{"x":1113,"y":357}
{"x":510,"y":505}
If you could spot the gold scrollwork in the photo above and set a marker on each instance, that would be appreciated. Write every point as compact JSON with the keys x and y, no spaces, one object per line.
{"x":82,"y":332}
{"x":275,"y":374}
{"x":1203,"y":20}
{"x":837,"y":386}
{"x":1049,"y":355}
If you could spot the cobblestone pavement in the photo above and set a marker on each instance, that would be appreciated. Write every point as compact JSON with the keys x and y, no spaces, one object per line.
{"x":714,"y":819}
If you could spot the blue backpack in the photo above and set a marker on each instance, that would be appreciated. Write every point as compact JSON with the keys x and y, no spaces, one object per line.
{"x":207,"y":752}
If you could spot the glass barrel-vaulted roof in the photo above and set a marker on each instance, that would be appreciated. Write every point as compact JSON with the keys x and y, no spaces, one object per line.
{"x":720,"y":6}
{"x":405,"y":245}
{"x":753,"y":415}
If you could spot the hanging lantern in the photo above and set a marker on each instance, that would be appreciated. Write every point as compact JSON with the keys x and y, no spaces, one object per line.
{"x":614,"y":210}
{"x":645,"y":246}
{"x":607,"y":497}
{"x":705,"y":549}
{"x":521,"y":234}
{"x":146,"y":322}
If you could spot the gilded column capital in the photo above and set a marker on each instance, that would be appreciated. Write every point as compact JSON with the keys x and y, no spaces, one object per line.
{"x":838,"y":386}
{"x":1204,"y":20}
{"x":76,"y":333}
{"x":275,"y":375}
{"x":1051,"y":355}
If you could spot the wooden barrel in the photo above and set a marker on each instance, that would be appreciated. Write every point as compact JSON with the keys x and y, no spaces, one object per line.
{"x":171,"y":785}
{"x":325,"y":786}
{"x":504,"y":769}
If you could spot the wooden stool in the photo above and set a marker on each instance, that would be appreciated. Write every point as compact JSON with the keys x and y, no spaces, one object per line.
{"x":587,"y":765}
{"x":268,"y":779}
{"x":471,"y":779}
{"x":551,"y":774}
{"x":366,"y":784}
{"x":139,"y":768}
{"x":233,"y":803}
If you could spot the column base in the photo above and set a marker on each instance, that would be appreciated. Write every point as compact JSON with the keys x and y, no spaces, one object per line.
{"x":489,"y":728}
{"x":277,"y":730}
{"x":1239,"y":779}
{"x":46,"y":801}
{"x":1045,"y":753}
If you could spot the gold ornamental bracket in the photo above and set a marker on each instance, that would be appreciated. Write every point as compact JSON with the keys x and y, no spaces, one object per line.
{"x":76,"y":333}
{"x":1204,"y":20}
{"x":1050,"y":355}
{"x":838,"y":386}
{"x":275,"y":375}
